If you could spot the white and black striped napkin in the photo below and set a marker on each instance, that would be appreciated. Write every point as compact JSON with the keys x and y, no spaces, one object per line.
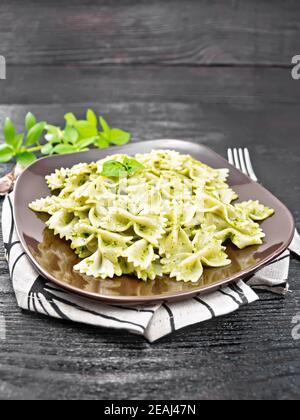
{"x":36,"y":294}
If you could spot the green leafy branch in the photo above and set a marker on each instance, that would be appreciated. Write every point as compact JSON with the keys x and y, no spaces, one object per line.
{"x":43,"y":138}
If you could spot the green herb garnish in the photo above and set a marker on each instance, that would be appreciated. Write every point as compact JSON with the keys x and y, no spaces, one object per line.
{"x":77,"y":136}
{"x":115,"y":169}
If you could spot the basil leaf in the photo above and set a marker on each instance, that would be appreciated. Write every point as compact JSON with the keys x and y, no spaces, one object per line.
{"x":102,"y":142}
{"x":47,"y":149}
{"x":115,"y":169}
{"x":83,"y":144}
{"x":71,"y":135}
{"x":85,"y":129}
{"x":92,"y":118}
{"x":70,"y":119}
{"x":132,"y":166}
{"x":54,"y":134}
{"x":64,"y":149}
{"x":35,"y":133}
{"x":104,"y":125}
{"x":6,"y":153}
{"x":30,"y":121}
{"x":18,"y":142}
{"x":25,"y":158}
{"x":119,"y":137}
{"x":9,"y":131}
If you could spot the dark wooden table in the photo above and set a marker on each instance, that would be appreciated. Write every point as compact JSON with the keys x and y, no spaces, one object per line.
{"x":210,"y":72}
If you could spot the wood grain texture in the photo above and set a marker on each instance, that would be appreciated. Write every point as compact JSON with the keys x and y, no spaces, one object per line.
{"x":243,"y":355}
{"x":251,"y":87}
{"x":189,"y":32}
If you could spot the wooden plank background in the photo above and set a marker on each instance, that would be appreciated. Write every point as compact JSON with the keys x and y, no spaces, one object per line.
{"x":169,"y":32}
{"x":215,"y":72}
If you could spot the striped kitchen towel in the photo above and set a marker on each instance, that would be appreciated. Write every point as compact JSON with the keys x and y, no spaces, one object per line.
{"x":36,"y":294}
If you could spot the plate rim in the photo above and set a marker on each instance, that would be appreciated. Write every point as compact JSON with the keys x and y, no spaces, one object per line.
{"x":171,"y":296}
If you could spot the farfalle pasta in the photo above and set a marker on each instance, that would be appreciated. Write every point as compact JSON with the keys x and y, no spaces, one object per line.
{"x":171,"y":217}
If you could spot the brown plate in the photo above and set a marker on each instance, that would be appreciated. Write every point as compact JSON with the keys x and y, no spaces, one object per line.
{"x":55,"y":260}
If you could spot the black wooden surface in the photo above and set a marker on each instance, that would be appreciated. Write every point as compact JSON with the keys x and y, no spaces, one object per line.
{"x":206,"y":71}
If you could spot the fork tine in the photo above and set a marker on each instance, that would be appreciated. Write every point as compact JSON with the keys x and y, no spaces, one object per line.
{"x":242,"y":161}
{"x":249,"y":165}
{"x":236,"y":159}
{"x":230,"y":156}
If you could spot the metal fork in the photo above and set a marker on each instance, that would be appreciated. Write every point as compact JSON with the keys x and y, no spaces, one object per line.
{"x":240,"y":158}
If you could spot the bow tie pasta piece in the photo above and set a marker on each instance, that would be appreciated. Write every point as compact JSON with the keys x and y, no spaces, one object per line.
{"x":48,"y":205}
{"x":153,"y":271}
{"x":117,"y":220}
{"x":56,"y":181}
{"x":169,"y":218}
{"x":184,"y":267}
{"x":254,"y":210}
{"x":150,"y":228}
{"x":241,"y":240}
{"x":241,"y":234}
{"x":203,"y":237}
{"x":189,"y":266}
{"x":83,"y":192}
{"x":126,"y":266}
{"x":83,"y":234}
{"x":177,"y":241}
{"x":63,"y":224}
{"x":226,"y":195}
{"x":99,"y":266}
{"x":214,"y":254}
{"x":112,"y":244}
{"x":140,"y":254}
{"x":97,"y":214}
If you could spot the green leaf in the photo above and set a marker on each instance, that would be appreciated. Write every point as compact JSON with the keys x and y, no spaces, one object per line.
{"x":119,"y":137}
{"x":83,"y":144}
{"x":30,"y":121}
{"x":132,"y":166}
{"x":35,"y":133}
{"x":25,"y":158}
{"x":18,"y":141}
{"x":70,"y":119}
{"x":54,"y":134}
{"x":115,"y":169}
{"x":71,"y":135}
{"x":102,"y":142}
{"x":85,"y":129}
{"x":92,"y":118}
{"x":104,"y":125}
{"x":64,"y":149}
{"x":6,"y":153}
{"x":47,"y":149}
{"x":9,"y":131}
